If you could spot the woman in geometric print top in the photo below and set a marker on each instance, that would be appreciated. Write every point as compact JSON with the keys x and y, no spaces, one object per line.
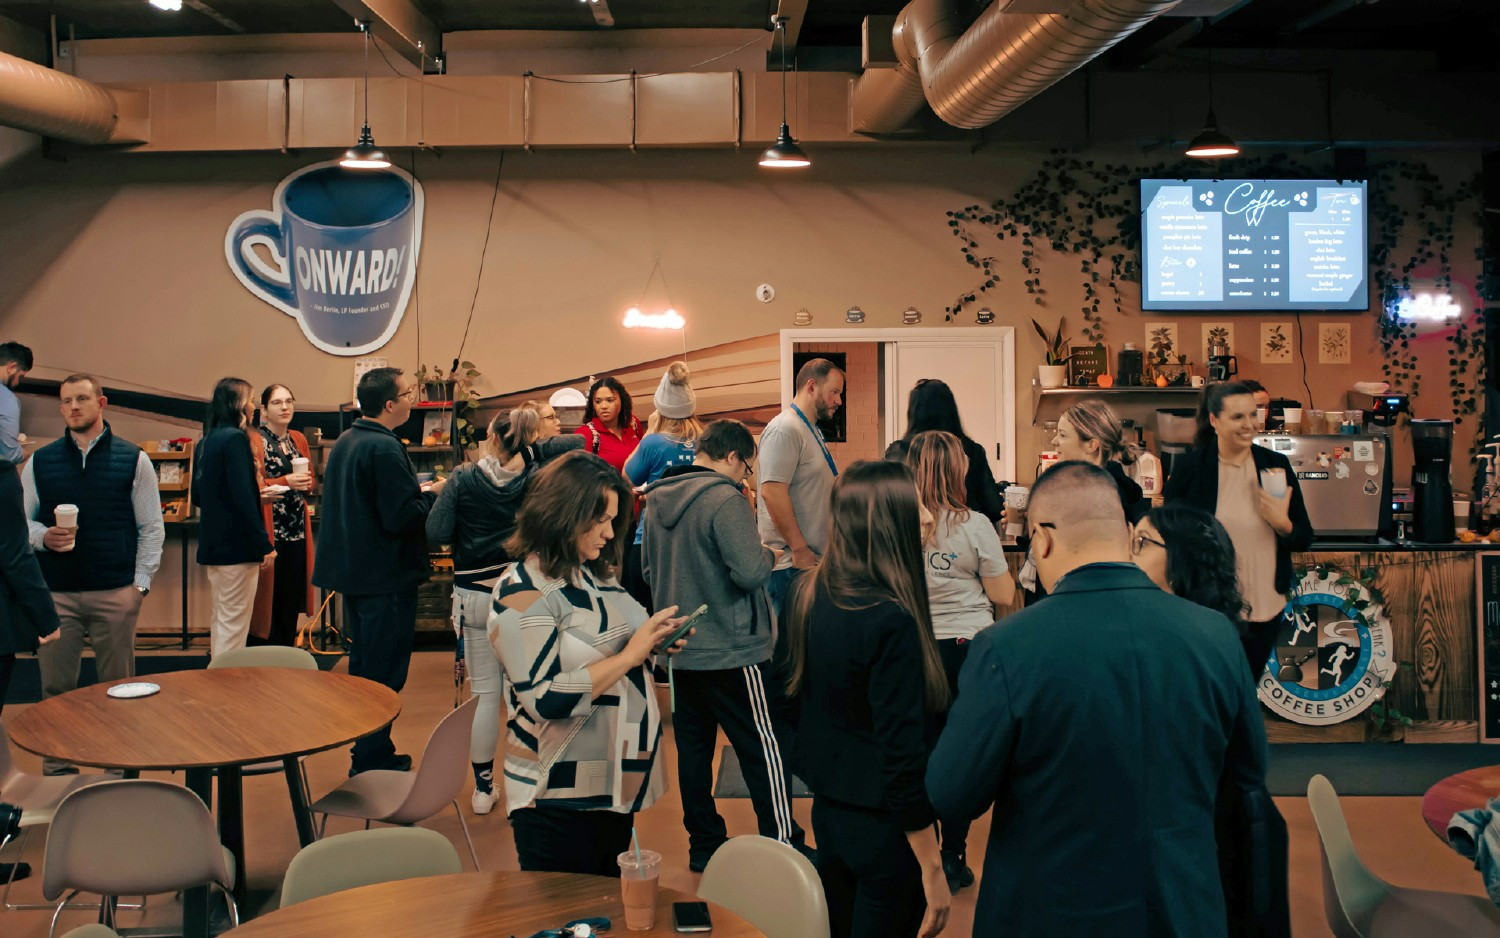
{"x":584,"y":731}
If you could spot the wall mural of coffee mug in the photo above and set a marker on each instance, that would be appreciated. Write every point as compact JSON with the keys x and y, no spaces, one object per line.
{"x":344,"y":246}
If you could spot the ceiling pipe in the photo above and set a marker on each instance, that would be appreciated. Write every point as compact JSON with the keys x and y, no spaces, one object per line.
{"x":973,"y":77}
{"x":48,"y":102}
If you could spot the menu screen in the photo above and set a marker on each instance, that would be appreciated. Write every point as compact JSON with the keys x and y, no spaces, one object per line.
{"x":1253,"y":244}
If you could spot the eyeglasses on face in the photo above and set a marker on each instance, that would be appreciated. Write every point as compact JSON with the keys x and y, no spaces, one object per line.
{"x":410,"y":394}
{"x":1139,"y":542}
{"x":281,"y":402}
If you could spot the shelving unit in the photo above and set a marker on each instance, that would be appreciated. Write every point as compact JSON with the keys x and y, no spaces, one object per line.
{"x":177,"y":464}
{"x":1137,"y":404}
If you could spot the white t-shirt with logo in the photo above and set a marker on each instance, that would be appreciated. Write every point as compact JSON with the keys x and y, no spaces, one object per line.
{"x":961,"y":553}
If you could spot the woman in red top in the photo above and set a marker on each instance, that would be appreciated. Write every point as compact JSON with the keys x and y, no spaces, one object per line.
{"x":610,"y":429}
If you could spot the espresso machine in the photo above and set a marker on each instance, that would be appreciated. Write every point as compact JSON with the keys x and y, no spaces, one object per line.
{"x":1431,"y":487}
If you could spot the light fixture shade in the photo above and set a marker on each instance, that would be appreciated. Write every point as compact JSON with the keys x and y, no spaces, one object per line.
{"x":784,"y":153}
{"x":1212,"y":143}
{"x":365,"y":154}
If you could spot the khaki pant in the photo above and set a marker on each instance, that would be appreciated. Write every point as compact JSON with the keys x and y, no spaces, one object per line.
{"x":105,"y":620}
{"x":232,"y":587}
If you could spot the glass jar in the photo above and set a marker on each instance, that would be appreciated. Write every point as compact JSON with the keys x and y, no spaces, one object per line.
{"x":1130,"y":364}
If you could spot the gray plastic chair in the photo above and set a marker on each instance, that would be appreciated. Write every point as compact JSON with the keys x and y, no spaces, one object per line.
{"x":408,"y":797}
{"x":1359,"y":904}
{"x":768,"y":884}
{"x":133,"y":836}
{"x":268,"y":656}
{"x":363,"y":858}
{"x":37,"y":796}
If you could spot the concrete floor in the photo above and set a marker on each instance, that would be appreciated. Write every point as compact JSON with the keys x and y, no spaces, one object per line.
{"x":1389,"y":832}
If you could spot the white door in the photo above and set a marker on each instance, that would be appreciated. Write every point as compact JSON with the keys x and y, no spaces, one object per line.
{"x":974,"y":371}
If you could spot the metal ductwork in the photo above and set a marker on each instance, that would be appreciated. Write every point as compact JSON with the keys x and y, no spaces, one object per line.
{"x":46,"y":101}
{"x":974,"y":77}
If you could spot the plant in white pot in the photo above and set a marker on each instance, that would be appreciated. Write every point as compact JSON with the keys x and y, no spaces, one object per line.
{"x":1053,"y":374}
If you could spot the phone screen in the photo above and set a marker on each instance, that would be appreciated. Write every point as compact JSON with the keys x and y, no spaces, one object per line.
{"x":683,"y":629}
{"x":691,"y":916}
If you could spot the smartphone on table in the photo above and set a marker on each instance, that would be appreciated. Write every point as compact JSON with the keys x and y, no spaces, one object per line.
{"x":691,"y":917}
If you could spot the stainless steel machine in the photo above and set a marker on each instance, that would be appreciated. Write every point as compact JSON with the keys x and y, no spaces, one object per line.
{"x":1342,"y":477}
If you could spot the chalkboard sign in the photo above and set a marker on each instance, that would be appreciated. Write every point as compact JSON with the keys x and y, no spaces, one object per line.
{"x":1087,"y":363}
{"x":1487,"y":595}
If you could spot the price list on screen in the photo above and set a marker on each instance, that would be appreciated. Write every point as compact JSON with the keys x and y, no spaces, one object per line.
{"x":1253,"y":244}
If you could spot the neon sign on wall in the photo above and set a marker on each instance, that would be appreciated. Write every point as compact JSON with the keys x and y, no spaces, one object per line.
{"x":670,"y":319}
{"x":1428,"y":307}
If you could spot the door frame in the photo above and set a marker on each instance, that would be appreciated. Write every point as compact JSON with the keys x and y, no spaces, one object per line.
{"x":1002,"y":338}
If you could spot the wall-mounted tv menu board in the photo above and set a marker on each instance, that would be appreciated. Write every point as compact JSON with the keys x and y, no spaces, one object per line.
{"x":1253,"y":244}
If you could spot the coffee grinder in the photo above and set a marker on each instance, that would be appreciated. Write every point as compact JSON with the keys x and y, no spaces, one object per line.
{"x":1380,"y":412}
{"x":1431,"y":487}
{"x":1222,"y":366}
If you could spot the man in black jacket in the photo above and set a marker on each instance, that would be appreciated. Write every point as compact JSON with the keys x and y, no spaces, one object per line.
{"x":372,"y":546}
{"x":1101,"y":724}
{"x":27,"y":617}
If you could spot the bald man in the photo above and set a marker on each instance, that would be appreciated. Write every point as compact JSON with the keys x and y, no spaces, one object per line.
{"x":1100,"y":723}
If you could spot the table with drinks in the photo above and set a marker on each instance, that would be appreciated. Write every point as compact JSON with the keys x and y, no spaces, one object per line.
{"x":494,"y":905}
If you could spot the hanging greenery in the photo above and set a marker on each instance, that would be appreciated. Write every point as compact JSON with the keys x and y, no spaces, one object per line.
{"x":1091,"y":210}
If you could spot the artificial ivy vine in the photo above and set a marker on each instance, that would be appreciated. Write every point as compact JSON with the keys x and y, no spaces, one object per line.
{"x":1090,"y":209}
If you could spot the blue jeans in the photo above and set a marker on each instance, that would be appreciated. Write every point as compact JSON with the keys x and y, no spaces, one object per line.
{"x":382,"y":627}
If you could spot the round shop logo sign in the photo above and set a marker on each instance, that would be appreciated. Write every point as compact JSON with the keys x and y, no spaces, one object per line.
{"x":1332,"y":656}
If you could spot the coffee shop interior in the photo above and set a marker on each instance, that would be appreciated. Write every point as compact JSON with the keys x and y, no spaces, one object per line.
{"x":1039,"y":202}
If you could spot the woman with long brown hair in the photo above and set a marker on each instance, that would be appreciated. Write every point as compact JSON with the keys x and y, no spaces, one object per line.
{"x":967,"y":579}
{"x":863,"y":662}
{"x":581,"y":757}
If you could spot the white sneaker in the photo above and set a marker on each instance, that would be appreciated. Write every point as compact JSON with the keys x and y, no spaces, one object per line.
{"x":483,"y":802}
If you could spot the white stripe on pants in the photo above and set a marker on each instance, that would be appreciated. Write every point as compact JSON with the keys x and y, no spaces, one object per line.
{"x":232,"y":588}
{"x":781,"y":802}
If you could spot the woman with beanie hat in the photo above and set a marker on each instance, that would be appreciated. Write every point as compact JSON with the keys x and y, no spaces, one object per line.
{"x":671,"y":440}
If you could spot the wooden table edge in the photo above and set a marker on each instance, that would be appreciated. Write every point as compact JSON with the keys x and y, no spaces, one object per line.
{"x":1439,"y":827}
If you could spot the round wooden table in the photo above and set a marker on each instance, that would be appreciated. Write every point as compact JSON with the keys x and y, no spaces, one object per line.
{"x":1471,"y":789}
{"x":203,"y":721}
{"x":481,"y":905}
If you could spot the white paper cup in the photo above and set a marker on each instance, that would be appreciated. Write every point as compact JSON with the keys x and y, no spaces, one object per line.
{"x":1273,"y":481}
{"x":67,"y":517}
{"x":300,"y":464}
{"x":1017,"y":497}
{"x":1460,"y":514}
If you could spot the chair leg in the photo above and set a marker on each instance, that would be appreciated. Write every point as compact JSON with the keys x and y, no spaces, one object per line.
{"x":52,"y":929}
{"x":464,"y":826}
{"x":39,"y":906}
{"x":234,"y":910}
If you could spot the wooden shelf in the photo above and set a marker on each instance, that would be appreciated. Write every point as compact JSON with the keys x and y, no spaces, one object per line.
{"x":172,"y":486}
{"x":1138,"y":404}
{"x":169,"y":455}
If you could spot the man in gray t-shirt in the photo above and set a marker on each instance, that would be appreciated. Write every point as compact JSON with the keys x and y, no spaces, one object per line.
{"x":796,"y":476}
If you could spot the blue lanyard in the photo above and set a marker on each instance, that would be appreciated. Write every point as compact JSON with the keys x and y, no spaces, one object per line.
{"x":819,"y":437}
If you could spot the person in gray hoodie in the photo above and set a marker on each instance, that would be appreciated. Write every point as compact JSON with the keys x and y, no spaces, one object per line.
{"x":700,"y":546}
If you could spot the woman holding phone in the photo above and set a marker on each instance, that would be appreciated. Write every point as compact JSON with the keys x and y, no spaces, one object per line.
{"x":1254,"y":494}
{"x":580,"y":691}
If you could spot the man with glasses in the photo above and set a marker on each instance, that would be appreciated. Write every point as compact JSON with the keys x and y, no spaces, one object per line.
{"x":700,"y":547}
{"x":1101,"y":724}
{"x":372,"y":546}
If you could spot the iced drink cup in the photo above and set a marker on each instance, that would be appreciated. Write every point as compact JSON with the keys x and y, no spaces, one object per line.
{"x":638,"y":877}
{"x":67,"y":517}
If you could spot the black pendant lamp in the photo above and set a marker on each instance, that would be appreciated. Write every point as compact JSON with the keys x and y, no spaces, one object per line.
{"x":365,"y":154}
{"x":784,"y":153}
{"x":1211,"y":142}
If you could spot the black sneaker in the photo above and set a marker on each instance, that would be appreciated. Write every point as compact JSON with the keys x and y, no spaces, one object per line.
{"x":14,"y":872}
{"x":956,"y":872}
{"x":400,"y":762}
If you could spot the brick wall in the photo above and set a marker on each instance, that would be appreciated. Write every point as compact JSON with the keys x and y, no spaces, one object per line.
{"x":861,"y":399}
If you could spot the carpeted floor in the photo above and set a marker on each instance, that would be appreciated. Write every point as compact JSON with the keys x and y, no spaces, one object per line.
{"x":1353,"y":768}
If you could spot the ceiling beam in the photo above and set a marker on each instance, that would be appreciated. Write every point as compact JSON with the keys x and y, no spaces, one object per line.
{"x":795,"y":12}
{"x":400,"y":25}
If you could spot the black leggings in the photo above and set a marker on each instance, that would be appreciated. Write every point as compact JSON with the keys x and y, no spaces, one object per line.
{"x":569,"y":840}
{"x":870,"y":876}
{"x":953,"y":651}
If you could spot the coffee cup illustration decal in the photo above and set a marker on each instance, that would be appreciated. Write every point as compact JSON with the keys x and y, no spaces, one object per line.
{"x":343,"y":246}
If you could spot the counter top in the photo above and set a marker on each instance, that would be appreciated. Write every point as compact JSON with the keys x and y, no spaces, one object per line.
{"x":1382,"y":544}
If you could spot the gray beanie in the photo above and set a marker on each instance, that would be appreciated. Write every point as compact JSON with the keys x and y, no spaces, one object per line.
{"x":674,"y":398}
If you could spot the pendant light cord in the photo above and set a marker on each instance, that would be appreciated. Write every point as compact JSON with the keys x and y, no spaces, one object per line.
{"x":781,"y":25}
{"x":364,"y":27}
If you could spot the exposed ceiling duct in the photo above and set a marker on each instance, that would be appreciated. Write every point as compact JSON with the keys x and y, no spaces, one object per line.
{"x":974,"y":77}
{"x":45,"y":101}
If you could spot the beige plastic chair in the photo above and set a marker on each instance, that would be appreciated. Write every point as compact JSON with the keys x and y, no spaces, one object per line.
{"x":94,"y":930}
{"x":130,"y":837}
{"x":363,"y":858}
{"x":37,"y":796}
{"x":768,"y":884}
{"x":268,"y":656}
{"x":408,"y":797}
{"x":1359,"y":904}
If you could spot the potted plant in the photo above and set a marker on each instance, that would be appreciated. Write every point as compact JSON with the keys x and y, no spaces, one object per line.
{"x":456,"y":386}
{"x":435,"y":385}
{"x":1053,"y":374}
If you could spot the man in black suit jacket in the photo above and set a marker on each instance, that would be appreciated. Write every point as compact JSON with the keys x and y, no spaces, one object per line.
{"x":1100,"y":722}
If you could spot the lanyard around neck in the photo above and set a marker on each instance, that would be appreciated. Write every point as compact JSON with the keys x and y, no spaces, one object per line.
{"x":817,"y":435}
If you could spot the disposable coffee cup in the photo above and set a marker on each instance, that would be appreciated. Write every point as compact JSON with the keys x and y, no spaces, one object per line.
{"x":1460,"y":514}
{"x":67,"y":517}
{"x":1292,"y":417}
{"x":1332,"y":420}
{"x":1017,"y":497}
{"x":638,"y":878}
{"x":1260,"y":417}
{"x":1273,"y":481}
{"x":300,"y":464}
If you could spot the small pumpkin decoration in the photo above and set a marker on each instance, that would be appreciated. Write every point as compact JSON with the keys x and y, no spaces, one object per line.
{"x":1161,"y":381}
{"x":1105,"y":381}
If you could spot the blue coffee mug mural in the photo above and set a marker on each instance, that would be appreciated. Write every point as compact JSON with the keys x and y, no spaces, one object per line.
{"x":344,"y":245}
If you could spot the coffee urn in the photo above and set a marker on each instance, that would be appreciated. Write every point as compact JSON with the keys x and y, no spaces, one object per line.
{"x":1431,"y":487}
